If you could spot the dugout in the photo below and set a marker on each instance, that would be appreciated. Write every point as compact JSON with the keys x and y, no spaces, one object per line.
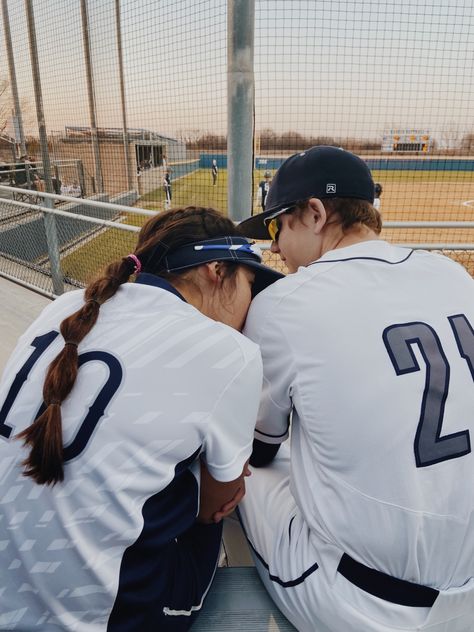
{"x":143,"y":145}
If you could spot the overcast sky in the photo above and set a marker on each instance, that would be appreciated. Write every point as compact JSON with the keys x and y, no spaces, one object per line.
{"x":343,"y":68}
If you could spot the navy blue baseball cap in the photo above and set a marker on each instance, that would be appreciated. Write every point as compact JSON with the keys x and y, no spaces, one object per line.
{"x":320,"y":172}
{"x":232,"y":249}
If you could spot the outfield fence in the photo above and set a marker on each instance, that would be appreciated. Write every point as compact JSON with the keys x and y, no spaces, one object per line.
{"x":54,"y":243}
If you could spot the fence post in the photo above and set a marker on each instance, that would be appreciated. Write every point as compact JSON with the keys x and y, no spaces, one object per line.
{"x":49,"y":219}
{"x":126,"y":149}
{"x":90,"y":95}
{"x":240,"y":100}
{"x":13,"y":83}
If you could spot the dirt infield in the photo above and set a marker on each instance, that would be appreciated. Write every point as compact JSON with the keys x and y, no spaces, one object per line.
{"x":424,"y":196}
{"x":429,"y":196}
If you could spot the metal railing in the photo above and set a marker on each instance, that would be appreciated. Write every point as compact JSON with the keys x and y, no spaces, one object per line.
{"x":53,"y":249}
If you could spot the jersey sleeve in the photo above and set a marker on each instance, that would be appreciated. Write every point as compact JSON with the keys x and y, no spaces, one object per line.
{"x":228,"y":442}
{"x":275,"y":404}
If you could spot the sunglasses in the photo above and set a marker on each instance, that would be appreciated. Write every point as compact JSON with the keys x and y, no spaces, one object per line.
{"x":274,"y":224}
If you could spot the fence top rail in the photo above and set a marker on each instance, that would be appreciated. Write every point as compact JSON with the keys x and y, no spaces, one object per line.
{"x":88,"y":202}
{"x":420,"y":246}
{"x":422,"y":224}
{"x":69,"y":215}
{"x":439,"y":246}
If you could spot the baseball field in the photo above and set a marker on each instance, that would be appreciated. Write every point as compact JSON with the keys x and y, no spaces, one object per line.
{"x":407,"y":196}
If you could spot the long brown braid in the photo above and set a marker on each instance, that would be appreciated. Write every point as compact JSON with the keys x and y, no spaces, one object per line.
{"x":164,"y":232}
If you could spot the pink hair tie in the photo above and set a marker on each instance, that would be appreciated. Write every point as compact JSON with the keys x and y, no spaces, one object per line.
{"x":137,"y":262}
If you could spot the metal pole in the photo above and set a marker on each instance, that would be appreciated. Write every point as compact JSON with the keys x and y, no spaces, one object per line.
{"x":81,"y":178}
{"x":12,"y":73}
{"x":90,"y":93}
{"x":126,"y":148}
{"x":49,"y":220}
{"x":240,"y":98}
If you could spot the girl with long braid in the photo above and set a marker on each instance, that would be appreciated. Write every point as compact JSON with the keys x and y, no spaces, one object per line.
{"x":126,"y":422}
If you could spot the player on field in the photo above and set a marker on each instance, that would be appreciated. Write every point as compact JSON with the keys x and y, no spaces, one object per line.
{"x":263,"y":188}
{"x":167,"y":188}
{"x":366,"y":522}
{"x":112,"y":502}
{"x":377,"y":195}
{"x":214,"y":172}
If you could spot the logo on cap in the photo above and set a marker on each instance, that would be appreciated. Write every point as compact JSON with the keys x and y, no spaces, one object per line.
{"x":330,"y":188}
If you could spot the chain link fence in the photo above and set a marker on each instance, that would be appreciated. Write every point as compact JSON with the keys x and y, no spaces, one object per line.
{"x":178,"y":102}
{"x":62,"y":247}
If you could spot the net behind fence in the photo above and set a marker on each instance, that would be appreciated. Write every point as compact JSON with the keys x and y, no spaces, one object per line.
{"x":134,"y":97}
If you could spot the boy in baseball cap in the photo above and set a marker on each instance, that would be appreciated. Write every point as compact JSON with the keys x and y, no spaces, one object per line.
{"x":373,"y":528}
{"x":321,"y":172}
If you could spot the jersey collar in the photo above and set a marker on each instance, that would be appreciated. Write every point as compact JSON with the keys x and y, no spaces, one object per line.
{"x":145,"y":278}
{"x":375,"y":250}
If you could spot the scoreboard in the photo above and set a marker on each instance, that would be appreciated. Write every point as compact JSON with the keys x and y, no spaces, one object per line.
{"x":406,"y":140}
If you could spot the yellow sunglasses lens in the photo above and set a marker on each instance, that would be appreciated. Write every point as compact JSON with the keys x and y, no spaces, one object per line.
{"x":272,"y":228}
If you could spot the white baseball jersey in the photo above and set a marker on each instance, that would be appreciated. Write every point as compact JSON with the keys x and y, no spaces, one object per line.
{"x":158,"y":384}
{"x":371,"y":349}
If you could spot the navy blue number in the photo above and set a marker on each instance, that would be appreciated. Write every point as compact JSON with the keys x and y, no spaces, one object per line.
{"x":41,"y":343}
{"x":464,"y":336}
{"x":96,"y":409}
{"x":429,"y":446}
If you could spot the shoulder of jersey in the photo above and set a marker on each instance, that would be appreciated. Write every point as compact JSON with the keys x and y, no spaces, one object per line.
{"x":67,"y":302}
{"x":231,"y":338}
{"x":447,"y":263}
{"x":54,"y":313}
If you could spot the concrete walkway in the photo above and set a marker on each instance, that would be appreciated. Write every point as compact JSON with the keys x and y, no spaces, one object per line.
{"x":18,"y":308}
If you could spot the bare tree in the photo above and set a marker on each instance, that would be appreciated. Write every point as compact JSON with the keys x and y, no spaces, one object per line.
{"x":467,"y":143}
{"x":5,"y":104}
{"x":6,"y":107}
{"x":450,"y":137}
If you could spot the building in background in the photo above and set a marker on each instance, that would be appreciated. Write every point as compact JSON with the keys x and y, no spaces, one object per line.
{"x":150,"y":154}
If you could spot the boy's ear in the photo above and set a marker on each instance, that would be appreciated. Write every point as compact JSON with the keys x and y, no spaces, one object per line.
{"x":319,"y":214}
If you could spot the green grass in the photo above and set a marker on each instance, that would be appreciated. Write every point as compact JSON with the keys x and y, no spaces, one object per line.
{"x":85,"y":262}
{"x":196,"y":188}
{"x":193,"y":189}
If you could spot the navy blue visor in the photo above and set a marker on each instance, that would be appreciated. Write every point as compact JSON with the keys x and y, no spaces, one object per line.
{"x":233,"y":249}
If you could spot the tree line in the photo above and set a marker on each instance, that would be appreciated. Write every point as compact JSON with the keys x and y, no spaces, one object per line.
{"x":269,"y":140}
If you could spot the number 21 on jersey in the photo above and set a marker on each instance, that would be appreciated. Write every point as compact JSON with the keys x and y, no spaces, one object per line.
{"x":430,"y":446}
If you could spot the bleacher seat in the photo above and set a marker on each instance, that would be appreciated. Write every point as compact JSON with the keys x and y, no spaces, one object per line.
{"x":238,"y":600}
